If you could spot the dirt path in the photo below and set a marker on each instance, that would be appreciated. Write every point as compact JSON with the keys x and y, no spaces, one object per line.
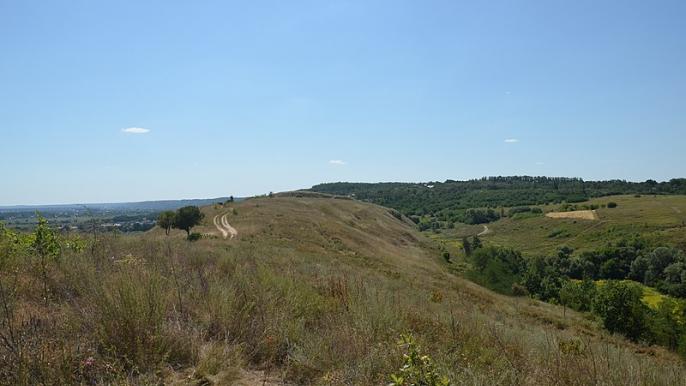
{"x":231,"y":230}
{"x":677,"y":210}
{"x":219,"y":227}
{"x":222,"y":224}
{"x":485,"y":231}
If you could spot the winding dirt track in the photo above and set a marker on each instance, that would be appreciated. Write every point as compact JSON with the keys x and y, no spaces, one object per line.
{"x":485,"y":231}
{"x":222,"y":224}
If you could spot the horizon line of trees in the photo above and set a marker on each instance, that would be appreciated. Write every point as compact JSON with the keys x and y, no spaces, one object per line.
{"x":451,"y":199}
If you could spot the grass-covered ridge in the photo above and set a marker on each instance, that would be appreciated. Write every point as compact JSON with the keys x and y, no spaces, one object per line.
{"x":310,"y":291}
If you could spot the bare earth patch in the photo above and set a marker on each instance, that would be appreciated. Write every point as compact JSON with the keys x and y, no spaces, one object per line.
{"x":577,"y":214}
{"x":222,"y":224}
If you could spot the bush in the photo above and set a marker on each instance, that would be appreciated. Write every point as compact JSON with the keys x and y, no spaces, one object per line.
{"x":417,"y":369}
{"x":619,"y":306}
{"x":611,"y":204}
{"x":557,"y":232}
{"x":519,"y":290}
{"x":194,"y":236}
{"x":518,"y":209}
{"x":497,"y":268}
{"x":480,"y":216}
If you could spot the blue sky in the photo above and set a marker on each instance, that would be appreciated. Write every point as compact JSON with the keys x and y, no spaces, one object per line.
{"x":248,"y":97}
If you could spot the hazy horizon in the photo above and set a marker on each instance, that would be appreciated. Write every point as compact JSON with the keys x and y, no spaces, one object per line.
{"x":129,"y":101}
{"x":5,"y":206}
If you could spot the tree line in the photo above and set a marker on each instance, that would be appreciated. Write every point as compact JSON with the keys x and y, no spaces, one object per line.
{"x":450,"y":200}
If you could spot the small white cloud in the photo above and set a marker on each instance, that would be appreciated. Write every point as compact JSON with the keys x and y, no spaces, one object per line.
{"x":511,"y":140}
{"x":539,"y":163}
{"x":337,"y":162}
{"x":135,"y":130}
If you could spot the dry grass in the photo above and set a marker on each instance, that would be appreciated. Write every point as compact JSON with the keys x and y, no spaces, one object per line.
{"x":577,"y":214}
{"x":311,"y":291}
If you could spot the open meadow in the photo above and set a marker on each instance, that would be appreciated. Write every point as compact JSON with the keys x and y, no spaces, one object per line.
{"x":659,"y":218}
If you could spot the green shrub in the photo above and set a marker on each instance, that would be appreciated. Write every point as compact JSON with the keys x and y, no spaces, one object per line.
{"x":496,"y":268}
{"x":557,"y":232}
{"x":611,"y":204}
{"x":418,"y":369}
{"x":619,"y":306}
{"x":194,"y":236}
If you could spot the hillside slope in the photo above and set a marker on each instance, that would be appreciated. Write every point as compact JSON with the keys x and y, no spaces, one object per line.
{"x":658,"y":218}
{"x":379,"y":278}
{"x":310,"y":291}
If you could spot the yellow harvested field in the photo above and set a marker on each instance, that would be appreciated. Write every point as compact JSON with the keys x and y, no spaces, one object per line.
{"x":577,"y":214}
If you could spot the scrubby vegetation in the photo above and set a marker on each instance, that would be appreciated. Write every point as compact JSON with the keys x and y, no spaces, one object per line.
{"x":288,"y":300}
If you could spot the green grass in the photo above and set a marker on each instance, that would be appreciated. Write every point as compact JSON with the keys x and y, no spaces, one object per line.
{"x":659,"y":218}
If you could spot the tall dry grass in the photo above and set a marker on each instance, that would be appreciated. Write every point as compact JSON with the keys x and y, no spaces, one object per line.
{"x":144,"y":309}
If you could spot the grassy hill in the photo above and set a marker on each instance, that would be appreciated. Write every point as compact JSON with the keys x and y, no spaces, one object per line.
{"x":310,"y":291}
{"x":658,"y":218}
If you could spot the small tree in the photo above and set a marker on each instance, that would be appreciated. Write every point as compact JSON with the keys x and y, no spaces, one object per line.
{"x":611,"y":204}
{"x":476,"y":243}
{"x":47,"y":247}
{"x":188,"y":217}
{"x":166,"y":221}
{"x":619,"y":306}
{"x":418,"y":369}
{"x":467,"y":246}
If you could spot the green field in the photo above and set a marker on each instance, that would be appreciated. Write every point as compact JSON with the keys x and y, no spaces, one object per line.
{"x":659,"y":218}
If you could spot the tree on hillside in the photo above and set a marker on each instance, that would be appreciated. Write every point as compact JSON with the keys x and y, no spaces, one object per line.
{"x":476,"y":243}
{"x":166,"y":221}
{"x":47,"y":246}
{"x":619,"y":306}
{"x":467,"y":246}
{"x":188,"y":217}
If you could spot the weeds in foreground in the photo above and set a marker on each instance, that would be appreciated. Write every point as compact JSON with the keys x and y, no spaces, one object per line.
{"x":417,"y":369}
{"x":127,"y":310}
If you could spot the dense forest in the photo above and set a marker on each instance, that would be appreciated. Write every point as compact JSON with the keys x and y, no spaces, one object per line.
{"x":451,"y":200}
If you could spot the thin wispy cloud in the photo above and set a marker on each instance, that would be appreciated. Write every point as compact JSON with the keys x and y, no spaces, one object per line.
{"x":135,"y":130}
{"x":511,"y":140}
{"x":539,"y":163}
{"x":337,"y":162}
